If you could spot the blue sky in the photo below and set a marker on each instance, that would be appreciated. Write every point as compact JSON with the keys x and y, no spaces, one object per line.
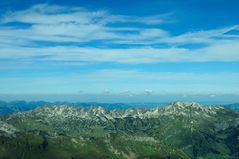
{"x":119,"y":51}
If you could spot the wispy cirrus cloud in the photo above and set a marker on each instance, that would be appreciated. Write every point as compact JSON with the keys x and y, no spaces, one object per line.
{"x":73,"y":24}
{"x":224,"y":51}
{"x":52,"y":14}
{"x":75,"y":34}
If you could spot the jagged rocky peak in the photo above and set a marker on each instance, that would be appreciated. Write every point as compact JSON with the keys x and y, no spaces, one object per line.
{"x":61,"y":108}
{"x":193,"y":104}
{"x":98,"y":109}
{"x":64,"y":111}
{"x":184,"y":108}
{"x":7,"y":129}
{"x":183,"y":105}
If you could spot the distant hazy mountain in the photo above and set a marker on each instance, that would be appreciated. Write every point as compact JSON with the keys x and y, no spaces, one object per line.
{"x":18,"y":106}
{"x":234,"y":106}
{"x":178,"y":131}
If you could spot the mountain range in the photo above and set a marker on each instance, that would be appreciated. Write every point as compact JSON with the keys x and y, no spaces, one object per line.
{"x":21,"y":105}
{"x":178,"y":131}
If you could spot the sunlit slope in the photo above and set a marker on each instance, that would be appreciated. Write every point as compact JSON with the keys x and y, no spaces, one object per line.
{"x":180,"y":130}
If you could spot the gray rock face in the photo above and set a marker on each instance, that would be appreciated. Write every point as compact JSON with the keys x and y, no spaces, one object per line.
{"x":7,"y":129}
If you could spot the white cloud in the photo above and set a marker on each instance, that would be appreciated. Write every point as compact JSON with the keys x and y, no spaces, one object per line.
{"x":148,"y":92}
{"x":45,"y":14}
{"x":72,"y":24}
{"x":57,"y":25}
{"x":106,"y":91}
{"x":226,"y":51}
{"x":212,"y":95}
{"x":205,"y":36}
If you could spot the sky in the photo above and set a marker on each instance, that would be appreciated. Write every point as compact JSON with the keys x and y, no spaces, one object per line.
{"x":119,"y":51}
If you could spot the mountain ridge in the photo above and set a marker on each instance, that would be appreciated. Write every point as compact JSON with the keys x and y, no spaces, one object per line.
{"x":179,"y":130}
{"x":7,"y":108}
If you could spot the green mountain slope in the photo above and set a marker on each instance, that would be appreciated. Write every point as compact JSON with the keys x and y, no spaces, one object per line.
{"x":180,"y":130}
